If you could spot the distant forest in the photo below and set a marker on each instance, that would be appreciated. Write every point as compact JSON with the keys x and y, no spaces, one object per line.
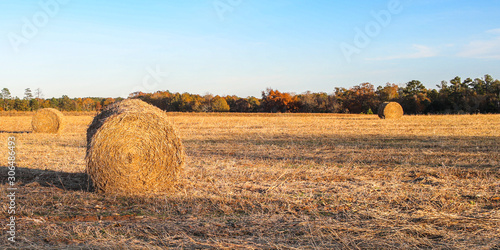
{"x":469,"y":96}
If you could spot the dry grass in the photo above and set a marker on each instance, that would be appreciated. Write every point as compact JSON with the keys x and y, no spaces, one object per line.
{"x":275,"y":181}
{"x":30,"y":113}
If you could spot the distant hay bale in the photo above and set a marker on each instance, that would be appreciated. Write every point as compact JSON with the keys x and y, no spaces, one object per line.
{"x":47,"y":120}
{"x":390,"y":110}
{"x":133,"y":149}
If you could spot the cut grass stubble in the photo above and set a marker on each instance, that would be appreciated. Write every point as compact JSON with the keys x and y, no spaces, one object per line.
{"x":284,"y":181}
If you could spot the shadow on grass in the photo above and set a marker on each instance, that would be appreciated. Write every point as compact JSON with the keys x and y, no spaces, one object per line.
{"x":15,"y":132}
{"x":342,"y":149}
{"x":48,"y":178}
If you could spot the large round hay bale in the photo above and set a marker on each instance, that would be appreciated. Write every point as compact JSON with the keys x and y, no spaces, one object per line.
{"x":390,"y":110}
{"x":47,"y":120}
{"x":133,"y":149}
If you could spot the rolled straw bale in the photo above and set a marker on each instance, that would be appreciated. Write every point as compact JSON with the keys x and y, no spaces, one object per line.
{"x":133,"y":149}
{"x":390,"y":110}
{"x":47,"y":120}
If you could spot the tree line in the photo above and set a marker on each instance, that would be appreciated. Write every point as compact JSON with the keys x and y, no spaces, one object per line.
{"x":34,"y":101}
{"x":469,"y":96}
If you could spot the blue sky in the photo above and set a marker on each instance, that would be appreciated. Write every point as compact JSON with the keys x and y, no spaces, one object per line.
{"x":241,"y":47}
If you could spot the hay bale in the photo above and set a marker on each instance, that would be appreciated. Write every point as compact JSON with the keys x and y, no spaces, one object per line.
{"x":390,"y":110}
{"x":47,"y":120}
{"x":133,"y":149}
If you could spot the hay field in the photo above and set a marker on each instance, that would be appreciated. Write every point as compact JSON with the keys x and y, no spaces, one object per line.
{"x":282,"y":181}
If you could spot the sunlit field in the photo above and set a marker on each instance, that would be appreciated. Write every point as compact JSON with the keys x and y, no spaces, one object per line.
{"x":272,"y":181}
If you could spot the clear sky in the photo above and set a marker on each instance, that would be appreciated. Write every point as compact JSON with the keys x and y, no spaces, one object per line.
{"x":112,"y":48}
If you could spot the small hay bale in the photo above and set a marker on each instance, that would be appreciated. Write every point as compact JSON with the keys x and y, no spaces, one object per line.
{"x":390,"y":110}
{"x":133,"y":149}
{"x":47,"y":120}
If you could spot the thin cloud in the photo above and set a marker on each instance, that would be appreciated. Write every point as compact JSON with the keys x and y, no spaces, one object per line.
{"x":494,"y":31}
{"x":483,"y":49}
{"x":421,"y":51}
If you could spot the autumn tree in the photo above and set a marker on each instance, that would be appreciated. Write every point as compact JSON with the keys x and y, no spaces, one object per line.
{"x":274,"y":101}
{"x":389,"y":92}
{"x":21,"y":104}
{"x":241,"y":105}
{"x":359,"y":99}
{"x":254,"y":104}
{"x":249,"y":104}
{"x":219,"y":104}
{"x":232,"y":100}
{"x":308,"y":102}
{"x":318,"y":103}
{"x":88,"y":104}
{"x":456,"y":96}
{"x":98,"y":106}
{"x":107,"y":101}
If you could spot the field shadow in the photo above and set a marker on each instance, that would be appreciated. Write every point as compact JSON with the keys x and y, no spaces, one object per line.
{"x":48,"y":178}
{"x":342,"y":149}
{"x":15,"y":132}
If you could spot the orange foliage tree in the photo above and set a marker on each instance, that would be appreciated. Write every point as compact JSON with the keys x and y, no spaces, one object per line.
{"x":275,"y":101}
